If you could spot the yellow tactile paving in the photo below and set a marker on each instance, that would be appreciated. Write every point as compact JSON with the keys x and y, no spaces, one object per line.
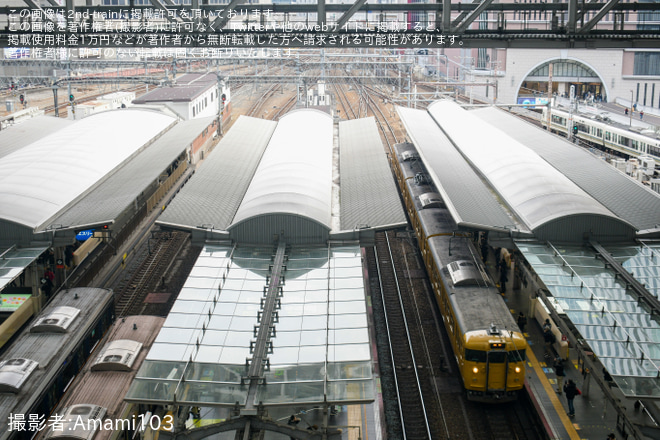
{"x":354,"y":419}
{"x":567,"y":422}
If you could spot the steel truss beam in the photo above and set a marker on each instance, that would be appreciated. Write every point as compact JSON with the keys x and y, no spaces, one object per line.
{"x":549,"y":35}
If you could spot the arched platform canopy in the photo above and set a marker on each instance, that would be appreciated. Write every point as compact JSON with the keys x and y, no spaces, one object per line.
{"x":297,"y":177}
{"x":41,"y":179}
{"x":547,"y":202}
{"x":293,"y":182}
{"x":625,"y":197}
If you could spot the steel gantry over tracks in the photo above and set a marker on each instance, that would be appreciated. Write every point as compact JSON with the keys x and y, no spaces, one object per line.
{"x":568,"y":24}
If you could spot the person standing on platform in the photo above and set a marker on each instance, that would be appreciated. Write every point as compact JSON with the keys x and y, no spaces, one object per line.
{"x":641,"y":115}
{"x":522,"y":321}
{"x":559,"y":372}
{"x":547,"y":325}
{"x":571,"y":391}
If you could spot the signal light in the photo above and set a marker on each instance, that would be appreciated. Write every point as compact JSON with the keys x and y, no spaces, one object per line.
{"x":224,"y":97}
{"x":575,"y":129}
{"x":22,"y":98}
{"x":104,"y":227}
{"x":71,"y":98}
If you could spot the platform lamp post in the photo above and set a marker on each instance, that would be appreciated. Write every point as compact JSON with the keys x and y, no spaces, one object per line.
{"x":631,"y":107}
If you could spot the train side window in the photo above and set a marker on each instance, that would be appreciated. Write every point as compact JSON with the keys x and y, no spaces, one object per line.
{"x":607,"y":135}
{"x":516,"y":355}
{"x":497,"y":357}
{"x":475,"y":355}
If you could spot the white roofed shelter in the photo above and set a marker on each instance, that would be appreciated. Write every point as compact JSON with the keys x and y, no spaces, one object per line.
{"x":41,"y":179}
{"x":293,"y":180}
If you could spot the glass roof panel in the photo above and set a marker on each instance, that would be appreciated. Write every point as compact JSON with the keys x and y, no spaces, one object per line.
{"x":348,"y":352}
{"x":213,"y":322}
{"x":619,"y":331}
{"x":348,"y":336}
{"x":14,"y":261}
{"x":291,"y":393}
{"x":287,"y":339}
{"x":346,"y":294}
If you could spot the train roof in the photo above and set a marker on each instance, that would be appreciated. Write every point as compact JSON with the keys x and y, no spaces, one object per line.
{"x":470,"y":300}
{"x":50,"y":350}
{"x":108,"y":388}
{"x":622,"y":195}
{"x":622,"y":122}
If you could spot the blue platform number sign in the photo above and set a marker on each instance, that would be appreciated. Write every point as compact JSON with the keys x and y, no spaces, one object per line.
{"x":84,"y":235}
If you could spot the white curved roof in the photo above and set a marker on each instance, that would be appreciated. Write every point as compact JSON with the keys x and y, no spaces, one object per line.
{"x":37,"y":181}
{"x":295,"y":173}
{"x":534,"y":189}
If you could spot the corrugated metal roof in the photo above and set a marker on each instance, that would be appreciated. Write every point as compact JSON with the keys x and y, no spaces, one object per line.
{"x":467,"y":196}
{"x":18,"y":136}
{"x":295,"y":173}
{"x":186,"y":88}
{"x":369,"y":196}
{"x":109,"y":199}
{"x":213,"y":194}
{"x":37,"y":181}
{"x":622,"y":195}
{"x":537,"y":192}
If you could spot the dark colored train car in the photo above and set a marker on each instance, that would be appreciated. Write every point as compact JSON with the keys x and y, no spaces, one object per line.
{"x":98,"y":391}
{"x":487,"y":344}
{"x":43,"y":360}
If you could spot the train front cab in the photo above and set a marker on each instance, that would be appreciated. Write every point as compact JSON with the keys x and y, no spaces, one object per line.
{"x":493,"y":365}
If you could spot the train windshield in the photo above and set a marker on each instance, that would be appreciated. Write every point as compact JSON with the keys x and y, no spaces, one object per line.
{"x":475,"y":355}
{"x":516,"y":355}
{"x":496,"y":357}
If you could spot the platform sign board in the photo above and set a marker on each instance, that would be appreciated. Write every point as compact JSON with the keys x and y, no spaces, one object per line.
{"x":84,"y":235}
{"x":10,"y":302}
{"x":533,"y":102}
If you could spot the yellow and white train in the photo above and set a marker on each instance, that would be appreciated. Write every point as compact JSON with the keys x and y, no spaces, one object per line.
{"x":488,"y":346}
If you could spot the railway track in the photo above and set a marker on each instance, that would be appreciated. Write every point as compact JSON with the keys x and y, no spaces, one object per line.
{"x":149,"y":276}
{"x":420,"y":413}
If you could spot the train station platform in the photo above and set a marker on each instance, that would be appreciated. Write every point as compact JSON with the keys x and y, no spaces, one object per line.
{"x":595,"y":417}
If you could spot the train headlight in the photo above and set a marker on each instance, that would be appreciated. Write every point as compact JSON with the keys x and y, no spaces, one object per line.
{"x":475,"y":370}
{"x":517,"y":369}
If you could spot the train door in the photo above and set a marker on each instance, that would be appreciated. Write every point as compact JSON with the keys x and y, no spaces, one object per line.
{"x":497,"y":370}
